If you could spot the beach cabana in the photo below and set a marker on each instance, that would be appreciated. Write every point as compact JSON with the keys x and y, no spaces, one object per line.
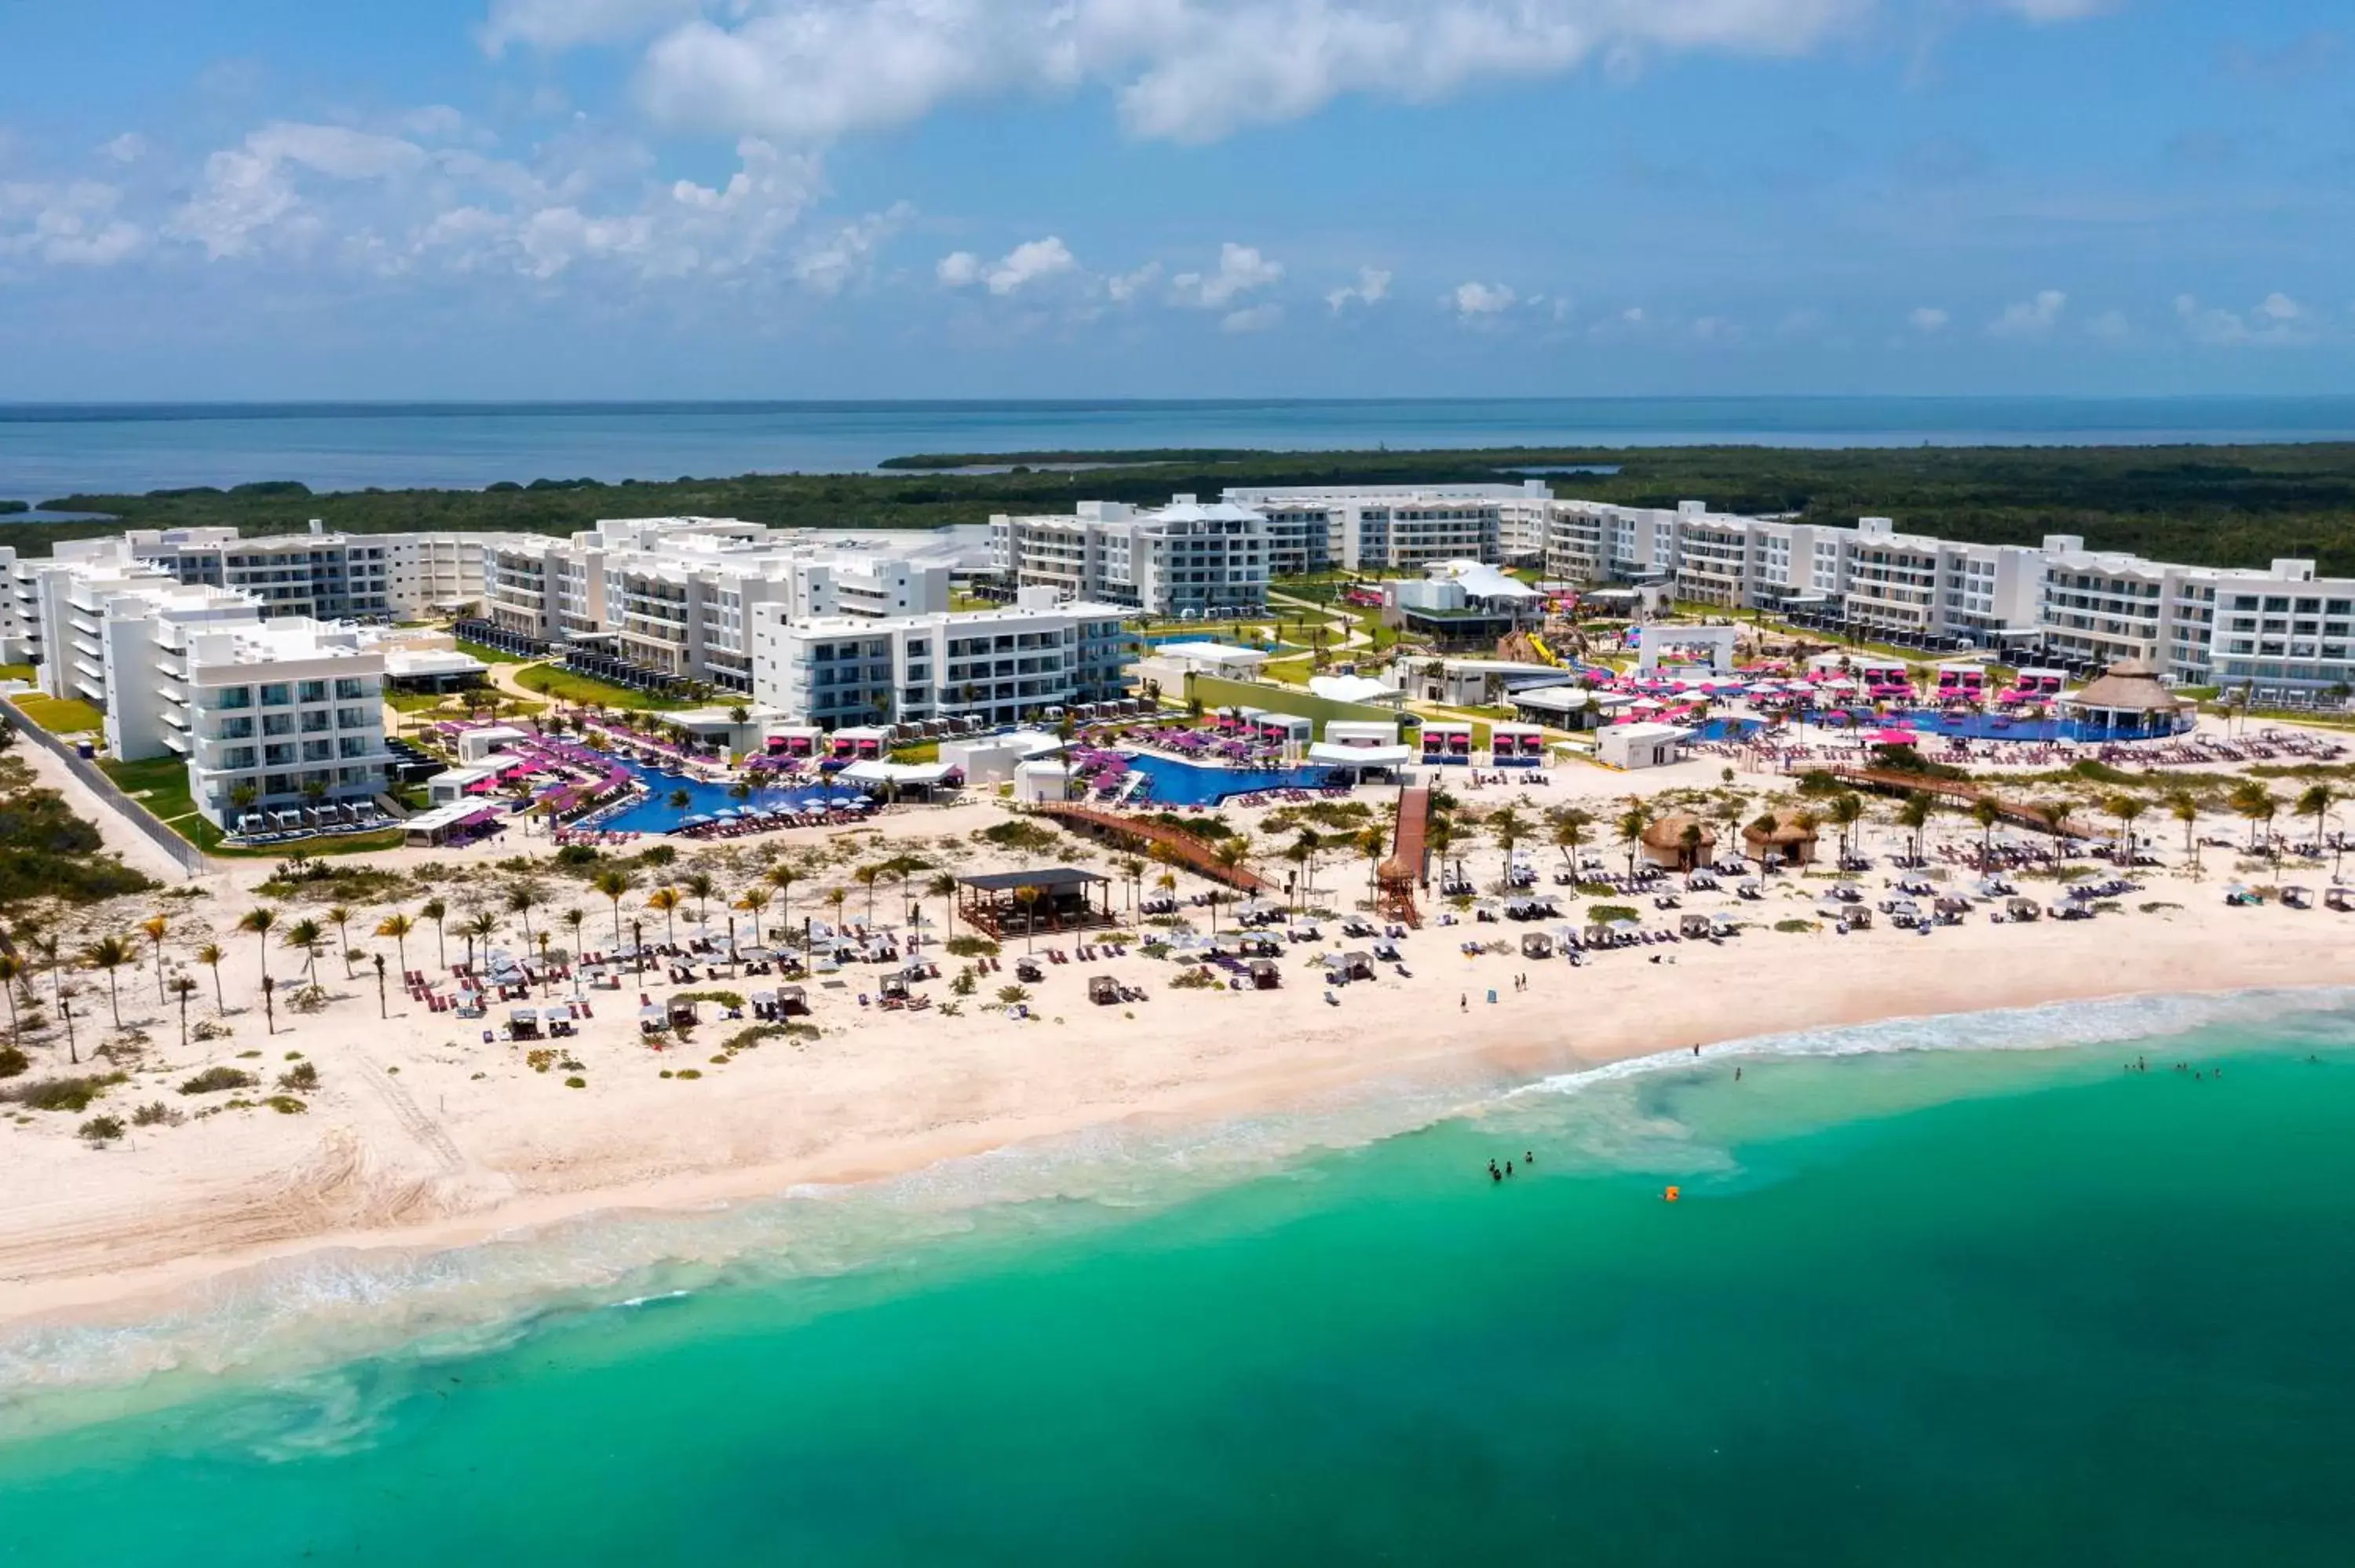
{"x":1515,"y":745}
{"x":1264,"y":976}
{"x":1790,"y":840}
{"x":1679,"y":842}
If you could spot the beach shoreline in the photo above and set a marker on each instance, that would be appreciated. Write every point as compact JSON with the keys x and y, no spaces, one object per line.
{"x":91,"y":1278}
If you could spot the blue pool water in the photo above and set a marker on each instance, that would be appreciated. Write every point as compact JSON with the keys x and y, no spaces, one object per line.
{"x":1176,"y":783}
{"x":1727,"y":728}
{"x":1995,"y":727}
{"x":654,"y":813}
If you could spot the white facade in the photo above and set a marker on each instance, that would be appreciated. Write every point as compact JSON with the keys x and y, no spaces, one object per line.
{"x":676,"y":596}
{"x":320,"y":575}
{"x":287,"y":708}
{"x":1368,"y":527}
{"x":1175,"y":560}
{"x":1005,"y":666}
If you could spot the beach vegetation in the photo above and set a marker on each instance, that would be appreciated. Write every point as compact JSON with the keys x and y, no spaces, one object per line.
{"x":102,"y":1129}
{"x":155,"y":1113}
{"x":213,"y":1080}
{"x":1195,"y":978}
{"x":686,"y":1073}
{"x":14,"y":1063}
{"x":971,"y":947}
{"x":1013,"y":995}
{"x":285,"y":1105}
{"x":303,"y":1075}
{"x":1603,"y":914}
{"x":74,"y":1092}
{"x":48,"y":851}
{"x":718,"y":998}
{"x":1795,"y":927}
{"x":1027,"y":837}
{"x":576,"y":1082}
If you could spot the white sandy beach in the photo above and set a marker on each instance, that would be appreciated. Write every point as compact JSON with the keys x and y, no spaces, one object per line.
{"x":421,"y":1135}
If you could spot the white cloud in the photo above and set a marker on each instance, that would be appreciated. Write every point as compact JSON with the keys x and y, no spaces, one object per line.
{"x":1254,"y":318}
{"x":1928,"y":319}
{"x":562,"y":24}
{"x":958,"y":270}
{"x":1471,"y":301}
{"x":1029,"y":261}
{"x":1372,"y":287}
{"x":1242,"y":269}
{"x":1185,"y":70}
{"x":2110,"y":326}
{"x":127,"y":148}
{"x":831,"y":263}
{"x":2031,"y":318}
{"x":2276,"y":320}
{"x":71,"y":225}
{"x":1123,"y":287}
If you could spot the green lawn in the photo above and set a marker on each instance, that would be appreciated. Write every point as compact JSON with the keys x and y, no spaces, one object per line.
{"x":490,"y":656}
{"x":58,"y":715}
{"x":160,"y":785}
{"x":573,"y":687}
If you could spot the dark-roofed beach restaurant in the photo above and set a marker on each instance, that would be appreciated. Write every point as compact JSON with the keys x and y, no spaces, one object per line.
{"x":1060,"y":898}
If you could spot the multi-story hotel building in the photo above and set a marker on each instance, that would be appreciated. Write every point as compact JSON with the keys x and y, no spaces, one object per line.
{"x":1004,"y":666}
{"x":1185,"y":559}
{"x":330,"y":577}
{"x":673,"y":597}
{"x":275,"y":714}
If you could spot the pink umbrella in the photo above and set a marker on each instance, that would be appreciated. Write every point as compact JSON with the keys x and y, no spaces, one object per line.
{"x":1895,"y":737}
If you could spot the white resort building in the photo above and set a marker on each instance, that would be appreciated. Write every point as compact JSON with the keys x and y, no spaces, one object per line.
{"x":1185,"y":559}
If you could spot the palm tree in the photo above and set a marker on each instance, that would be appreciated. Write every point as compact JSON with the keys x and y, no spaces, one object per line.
{"x":2185,"y":808}
{"x":210,"y":956}
{"x":1132,"y":871}
{"x":306,"y":934}
{"x":754,"y":899}
{"x":835,"y":897}
{"x":397,"y":927}
{"x":433,"y":909}
{"x":182,"y":987}
{"x":1373,"y":843}
{"x":1029,"y":898}
{"x":666,"y":900}
{"x":1508,"y":829}
{"x":2315,"y":802}
{"x":480,"y":924}
{"x":944,"y":886}
{"x":678,"y":799}
{"x":700,"y":884}
{"x":152,"y":929}
{"x":1846,"y":811}
{"x":12,"y":969}
{"x":1570,"y":825}
{"x":781,"y":877}
{"x":1987,"y":814}
{"x":341,"y":919}
{"x":46,"y":946}
{"x":522,"y":899}
{"x":613,"y":881}
{"x":2255,"y":804}
{"x":1914,"y":815}
{"x":1766,"y":827}
{"x":574,"y":919}
{"x":1631,"y":825}
{"x":866,"y":876}
{"x":258,"y":922}
{"x":2125,"y":808}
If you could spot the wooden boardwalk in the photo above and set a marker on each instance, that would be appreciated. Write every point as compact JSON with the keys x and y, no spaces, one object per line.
{"x":1174,"y":844}
{"x":1957,"y":792}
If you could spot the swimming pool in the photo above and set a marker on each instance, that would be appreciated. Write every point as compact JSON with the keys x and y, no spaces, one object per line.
{"x":1176,"y":783}
{"x":1998,"y":726}
{"x":654,"y":813}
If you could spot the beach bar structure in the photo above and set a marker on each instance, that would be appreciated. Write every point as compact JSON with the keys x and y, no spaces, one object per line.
{"x":2127,"y":700}
{"x":1019,"y":903}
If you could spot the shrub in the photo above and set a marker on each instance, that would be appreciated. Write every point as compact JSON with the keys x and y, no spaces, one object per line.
{"x":154,"y":1113}
{"x":719,"y":998}
{"x":287,"y":1104}
{"x":12,"y":1061}
{"x":690,"y":1072}
{"x":101,"y":1128}
{"x":212,"y":1080}
{"x":1194,"y":980}
{"x":302,"y":1075}
{"x":1603,"y":914}
{"x":1013,"y":994}
{"x":1794,"y":927}
{"x":209,"y":1029}
{"x":1595,"y":890}
{"x":972,"y":948}
{"x":69,"y":1094}
{"x":576,"y":1082}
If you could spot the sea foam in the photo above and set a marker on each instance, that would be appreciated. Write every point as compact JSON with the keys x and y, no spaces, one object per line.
{"x":299,"y":1325}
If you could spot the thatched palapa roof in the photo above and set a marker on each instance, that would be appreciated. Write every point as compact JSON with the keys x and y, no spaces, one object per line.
{"x":2131,"y":686}
{"x":1669,"y":832}
{"x":1790,"y":828}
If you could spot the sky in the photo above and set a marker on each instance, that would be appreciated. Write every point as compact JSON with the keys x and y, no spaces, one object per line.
{"x":277,"y":199}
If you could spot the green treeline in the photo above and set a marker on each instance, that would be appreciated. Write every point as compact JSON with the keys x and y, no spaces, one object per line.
{"x":2209,"y":505}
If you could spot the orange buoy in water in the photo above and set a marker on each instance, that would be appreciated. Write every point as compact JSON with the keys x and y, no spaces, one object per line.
{"x":1672,"y":1194}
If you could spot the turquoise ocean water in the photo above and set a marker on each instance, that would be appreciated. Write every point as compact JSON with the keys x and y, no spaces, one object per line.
{"x":48,"y":451}
{"x":1953,"y":1291}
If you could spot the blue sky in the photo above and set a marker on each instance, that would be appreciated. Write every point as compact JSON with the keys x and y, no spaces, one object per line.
{"x":726,"y":198}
